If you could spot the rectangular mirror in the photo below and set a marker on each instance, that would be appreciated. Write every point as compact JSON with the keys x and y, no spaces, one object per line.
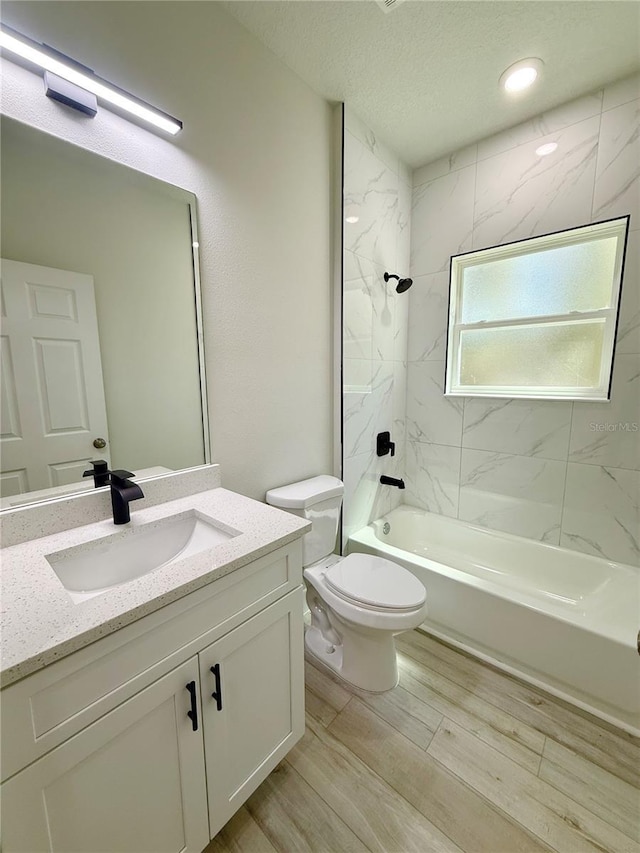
{"x":102,"y":353}
{"x":537,"y":318}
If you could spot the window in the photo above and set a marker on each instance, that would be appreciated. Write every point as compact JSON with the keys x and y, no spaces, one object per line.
{"x":537,"y":318}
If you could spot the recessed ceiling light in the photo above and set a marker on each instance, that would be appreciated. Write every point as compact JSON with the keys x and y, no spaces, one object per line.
{"x":547,"y":148}
{"x":521,"y":75}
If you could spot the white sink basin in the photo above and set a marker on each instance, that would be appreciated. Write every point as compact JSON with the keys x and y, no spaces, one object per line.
{"x":90,"y":569}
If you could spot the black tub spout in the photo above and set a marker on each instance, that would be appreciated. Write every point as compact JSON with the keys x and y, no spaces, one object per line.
{"x":392,"y":481}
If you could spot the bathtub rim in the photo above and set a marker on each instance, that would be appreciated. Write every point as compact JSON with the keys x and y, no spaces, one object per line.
{"x":593,"y":621}
{"x":408,"y":509}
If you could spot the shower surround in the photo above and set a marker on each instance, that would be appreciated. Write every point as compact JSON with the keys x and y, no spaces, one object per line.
{"x":561,"y":472}
{"x":377,"y":195}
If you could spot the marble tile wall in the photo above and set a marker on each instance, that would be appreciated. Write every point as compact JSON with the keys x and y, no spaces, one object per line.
{"x":377,"y":190}
{"x":566,"y":473}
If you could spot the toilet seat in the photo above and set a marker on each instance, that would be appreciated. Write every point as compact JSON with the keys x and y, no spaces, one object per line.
{"x":375,"y":583}
{"x":358,"y":615}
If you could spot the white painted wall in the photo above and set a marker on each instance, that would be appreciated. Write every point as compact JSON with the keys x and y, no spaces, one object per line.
{"x":68,"y":209}
{"x":255,"y":150}
{"x":566,"y":473}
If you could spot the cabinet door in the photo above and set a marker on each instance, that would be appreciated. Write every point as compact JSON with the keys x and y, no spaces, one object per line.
{"x":257,"y":713}
{"x":131,"y":782}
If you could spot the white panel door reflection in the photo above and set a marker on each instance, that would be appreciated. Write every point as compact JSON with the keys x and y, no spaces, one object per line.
{"x":53,"y":405}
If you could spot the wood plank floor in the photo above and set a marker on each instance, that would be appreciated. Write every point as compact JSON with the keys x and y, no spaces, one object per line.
{"x":459,"y":757}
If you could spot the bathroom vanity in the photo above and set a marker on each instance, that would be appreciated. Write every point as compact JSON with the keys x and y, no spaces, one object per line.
{"x":141,"y":718}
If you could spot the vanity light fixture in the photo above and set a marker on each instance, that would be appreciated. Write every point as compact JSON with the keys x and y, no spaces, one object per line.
{"x":521,"y":75}
{"x":547,"y":148}
{"x":57,"y":65}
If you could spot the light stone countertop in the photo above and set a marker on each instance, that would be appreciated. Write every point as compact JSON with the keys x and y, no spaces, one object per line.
{"x":41,"y":624}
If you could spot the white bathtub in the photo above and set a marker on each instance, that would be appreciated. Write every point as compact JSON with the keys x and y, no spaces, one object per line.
{"x":561,"y":620}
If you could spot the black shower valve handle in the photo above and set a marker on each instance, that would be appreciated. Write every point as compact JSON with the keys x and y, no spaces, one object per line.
{"x":384,"y":445}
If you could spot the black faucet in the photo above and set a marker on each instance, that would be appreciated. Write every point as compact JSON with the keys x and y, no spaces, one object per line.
{"x":122,"y":492}
{"x":391,"y":481}
{"x":100,"y":472}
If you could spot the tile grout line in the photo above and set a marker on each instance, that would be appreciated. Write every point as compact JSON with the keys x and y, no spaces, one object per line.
{"x":553,"y":701}
{"x":328,"y":805}
{"x":385,"y":782}
{"x":496,"y":807}
{"x":608,"y":820}
{"x":464,"y":399}
{"x":544,"y":746}
{"x":491,"y":704}
{"x":481,"y":720}
{"x":413,"y":717}
{"x":492,"y":805}
{"x":461,"y":686}
{"x":595,"y":168}
{"x":389,"y":784}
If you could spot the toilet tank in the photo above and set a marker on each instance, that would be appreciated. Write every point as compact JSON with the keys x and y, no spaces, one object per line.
{"x":317,"y":499}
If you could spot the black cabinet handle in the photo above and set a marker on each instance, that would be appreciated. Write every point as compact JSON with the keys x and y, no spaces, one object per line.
{"x":193,"y":713}
{"x":217,"y":693}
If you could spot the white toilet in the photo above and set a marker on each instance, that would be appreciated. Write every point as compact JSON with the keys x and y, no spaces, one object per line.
{"x":357,"y":603}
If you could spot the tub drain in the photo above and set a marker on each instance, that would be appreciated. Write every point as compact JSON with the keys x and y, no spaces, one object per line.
{"x":386,"y":528}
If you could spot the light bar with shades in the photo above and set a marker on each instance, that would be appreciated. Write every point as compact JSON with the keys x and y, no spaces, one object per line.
{"x":68,"y":69}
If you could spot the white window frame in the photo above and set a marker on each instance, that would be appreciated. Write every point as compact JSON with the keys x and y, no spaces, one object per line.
{"x":619,"y":228}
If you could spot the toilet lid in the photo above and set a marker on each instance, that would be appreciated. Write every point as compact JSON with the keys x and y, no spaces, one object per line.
{"x":375,"y":582}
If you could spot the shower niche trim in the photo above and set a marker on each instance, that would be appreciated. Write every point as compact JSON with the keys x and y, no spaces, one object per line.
{"x":537,"y":318}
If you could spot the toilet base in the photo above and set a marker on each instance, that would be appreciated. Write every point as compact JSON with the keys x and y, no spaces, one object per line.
{"x":369,"y":663}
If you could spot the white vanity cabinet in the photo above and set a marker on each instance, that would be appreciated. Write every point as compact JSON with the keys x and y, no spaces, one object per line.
{"x":251,"y":681}
{"x":153,"y":761}
{"x":133,"y":781}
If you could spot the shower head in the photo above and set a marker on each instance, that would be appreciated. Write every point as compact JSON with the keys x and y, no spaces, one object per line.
{"x":403,"y":283}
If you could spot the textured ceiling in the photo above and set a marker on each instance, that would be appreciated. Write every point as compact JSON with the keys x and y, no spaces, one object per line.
{"x":424,"y":77}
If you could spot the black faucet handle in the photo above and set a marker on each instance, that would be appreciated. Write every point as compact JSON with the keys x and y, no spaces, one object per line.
{"x":384,"y":445}
{"x":100,"y":472}
{"x":118,"y":477}
{"x":100,"y":466}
